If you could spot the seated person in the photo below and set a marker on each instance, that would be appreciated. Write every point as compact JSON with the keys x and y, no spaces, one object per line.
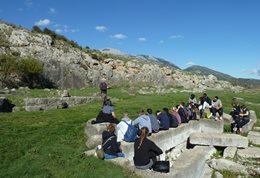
{"x":176,"y":114}
{"x":154,"y":122}
{"x":143,"y":121}
{"x":109,"y":143}
{"x":163,"y":117}
{"x":235,"y":110}
{"x":217,"y":108}
{"x":192,"y":99}
{"x":122,"y":127}
{"x":173,"y":119}
{"x":107,"y":114}
{"x":182,"y":113}
{"x":205,"y":102}
{"x":243,"y":119}
{"x":145,"y":151}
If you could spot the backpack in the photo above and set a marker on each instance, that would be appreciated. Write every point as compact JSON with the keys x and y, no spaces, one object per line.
{"x":131,"y":133}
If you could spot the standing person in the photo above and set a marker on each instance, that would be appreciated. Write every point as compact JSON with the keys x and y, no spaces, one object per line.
{"x":103,"y":87}
{"x":217,"y":107}
{"x":143,"y":121}
{"x":154,"y":122}
{"x":145,"y":151}
{"x":109,"y":143}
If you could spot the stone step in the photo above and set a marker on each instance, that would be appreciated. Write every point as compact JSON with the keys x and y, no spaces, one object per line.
{"x":254,"y":137}
{"x":250,"y":152}
{"x":256,"y":129}
{"x":220,"y":139}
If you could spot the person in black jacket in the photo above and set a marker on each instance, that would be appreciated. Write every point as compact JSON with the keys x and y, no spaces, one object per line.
{"x":145,"y":151}
{"x":109,"y":143}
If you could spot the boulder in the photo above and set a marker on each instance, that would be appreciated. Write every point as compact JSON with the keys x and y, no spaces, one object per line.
{"x":207,"y":171}
{"x":91,"y":152}
{"x":250,"y":124}
{"x":254,"y":137}
{"x":229,"y":152}
{"x":94,"y":141}
{"x":95,"y":129}
{"x":218,"y":175}
{"x":249,"y":153}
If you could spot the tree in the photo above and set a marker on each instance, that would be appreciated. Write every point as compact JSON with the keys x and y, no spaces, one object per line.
{"x":36,"y":29}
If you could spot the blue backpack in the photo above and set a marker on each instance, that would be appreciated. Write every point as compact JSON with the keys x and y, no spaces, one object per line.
{"x":131,"y":133}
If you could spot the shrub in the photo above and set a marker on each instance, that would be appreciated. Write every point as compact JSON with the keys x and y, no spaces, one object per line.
{"x":30,"y":70}
{"x":8,"y":66}
{"x":36,"y":29}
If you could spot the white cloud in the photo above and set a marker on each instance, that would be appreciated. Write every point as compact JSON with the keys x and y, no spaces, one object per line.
{"x":161,"y":41}
{"x":28,"y":3}
{"x":190,"y":63}
{"x":101,"y":28}
{"x":58,"y":30}
{"x":176,"y":36}
{"x":44,"y":22}
{"x":52,"y":10}
{"x":142,"y":39}
{"x":20,"y":9}
{"x":255,"y":72}
{"x":119,"y":36}
{"x":74,"y":30}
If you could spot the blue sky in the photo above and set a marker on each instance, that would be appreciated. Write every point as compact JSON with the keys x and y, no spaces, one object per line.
{"x":223,"y":35}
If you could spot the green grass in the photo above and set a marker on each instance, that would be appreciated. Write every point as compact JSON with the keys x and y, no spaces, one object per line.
{"x":51,"y":143}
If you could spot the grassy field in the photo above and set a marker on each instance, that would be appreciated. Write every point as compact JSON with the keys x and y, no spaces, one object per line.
{"x":51,"y":143}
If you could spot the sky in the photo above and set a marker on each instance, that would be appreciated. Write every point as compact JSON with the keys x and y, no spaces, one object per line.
{"x":223,"y":35}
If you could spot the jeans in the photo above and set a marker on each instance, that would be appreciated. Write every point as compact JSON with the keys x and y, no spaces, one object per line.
{"x":107,"y":156}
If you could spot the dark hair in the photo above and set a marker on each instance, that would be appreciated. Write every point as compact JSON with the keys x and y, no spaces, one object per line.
{"x":205,"y":94}
{"x":216,"y":97}
{"x":149,"y":111}
{"x":143,"y":135}
{"x":166,"y":110}
{"x":192,"y":96}
{"x":111,"y":128}
{"x":108,"y":102}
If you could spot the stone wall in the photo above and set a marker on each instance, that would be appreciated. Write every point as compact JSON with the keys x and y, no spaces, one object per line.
{"x":36,"y":104}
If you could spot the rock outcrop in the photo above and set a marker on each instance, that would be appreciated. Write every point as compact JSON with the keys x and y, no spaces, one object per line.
{"x":70,"y":67}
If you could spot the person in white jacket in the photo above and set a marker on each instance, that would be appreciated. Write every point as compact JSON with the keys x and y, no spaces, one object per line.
{"x":122,"y":127}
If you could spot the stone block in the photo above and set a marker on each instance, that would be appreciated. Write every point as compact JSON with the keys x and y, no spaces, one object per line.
{"x":218,"y":175}
{"x":250,"y":152}
{"x":207,"y":171}
{"x":229,"y":152}
{"x":192,"y":162}
{"x":219,"y":139}
{"x":256,"y":129}
{"x":33,"y":108}
{"x":253,"y":120}
{"x":211,"y":126}
{"x":90,"y":152}
{"x":95,"y":129}
{"x":254,"y":137}
{"x":224,"y":164}
{"x":93,"y":141}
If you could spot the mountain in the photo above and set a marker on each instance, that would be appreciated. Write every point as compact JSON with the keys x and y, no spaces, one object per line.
{"x":247,"y":83}
{"x":141,"y":57}
{"x":67,"y":65}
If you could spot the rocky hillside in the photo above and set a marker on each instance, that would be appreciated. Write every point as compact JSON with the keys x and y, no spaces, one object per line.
{"x":247,"y":83}
{"x":68,"y":65}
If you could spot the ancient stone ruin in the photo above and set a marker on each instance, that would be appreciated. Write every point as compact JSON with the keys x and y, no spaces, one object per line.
{"x":192,"y":149}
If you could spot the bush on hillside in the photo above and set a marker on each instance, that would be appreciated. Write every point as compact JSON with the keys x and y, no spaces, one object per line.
{"x":8,"y":67}
{"x":36,"y":29}
{"x":30,"y":70}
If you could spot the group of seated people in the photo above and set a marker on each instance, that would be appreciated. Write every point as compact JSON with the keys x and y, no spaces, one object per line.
{"x":241,"y":116}
{"x":145,"y":151}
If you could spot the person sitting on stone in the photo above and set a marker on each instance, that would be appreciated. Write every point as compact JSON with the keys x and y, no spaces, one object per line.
{"x":154,"y":122}
{"x":244,"y":118}
{"x":217,"y":108}
{"x":145,"y":151}
{"x":173,"y":119}
{"x":176,"y":114}
{"x":107,"y":114}
{"x":235,"y":115}
{"x":192,"y":99}
{"x":205,"y":102}
{"x":182,"y":113}
{"x":109,"y":143}
{"x":164,"y":119}
{"x":122,"y":127}
{"x":143,"y":121}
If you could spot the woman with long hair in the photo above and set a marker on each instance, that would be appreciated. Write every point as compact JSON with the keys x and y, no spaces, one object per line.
{"x":145,"y":151}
